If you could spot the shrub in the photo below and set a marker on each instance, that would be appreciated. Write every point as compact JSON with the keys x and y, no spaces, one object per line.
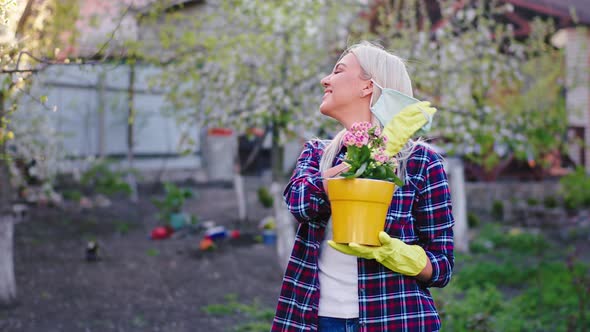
{"x":492,"y":272}
{"x":265,"y":198}
{"x":498,"y":210}
{"x":575,"y":188}
{"x":72,"y":195}
{"x":173,"y":200}
{"x":525,"y":243}
{"x":510,"y":288}
{"x":472,"y":220}
{"x":471,"y":310}
{"x":550,"y":202}
{"x":104,"y":180}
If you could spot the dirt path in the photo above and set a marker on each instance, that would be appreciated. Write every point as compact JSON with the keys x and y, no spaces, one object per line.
{"x":139,"y":284}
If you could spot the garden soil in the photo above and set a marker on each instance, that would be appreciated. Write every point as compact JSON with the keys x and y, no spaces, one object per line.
{"x":140,"y":284}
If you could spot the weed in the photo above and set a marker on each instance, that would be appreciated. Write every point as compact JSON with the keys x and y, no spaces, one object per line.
{"x":153,"y":252}
{"x":139,"y":321}
{"x":122,"y":227}
{"x":257,"y":318}
{"x":173,"y":201}
{"x":515,"y":281}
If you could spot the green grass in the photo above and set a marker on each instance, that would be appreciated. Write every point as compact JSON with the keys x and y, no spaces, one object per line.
{"x":139,"y":321}
{"x":72,"y":195}
{"x":256,"y":317}
{"x":153,"y":252}
{"x":122,"y":227}
{"x":515,"y":280}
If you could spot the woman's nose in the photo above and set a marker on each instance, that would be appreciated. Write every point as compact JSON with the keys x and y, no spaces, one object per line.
{"x":324,"y":81}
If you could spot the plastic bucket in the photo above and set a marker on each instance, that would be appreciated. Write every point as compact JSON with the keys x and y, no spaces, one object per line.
{"x":359,"y":209}
{"x":220,"y":147}
{"x":177,"y":221}
{"x":269,"y":237}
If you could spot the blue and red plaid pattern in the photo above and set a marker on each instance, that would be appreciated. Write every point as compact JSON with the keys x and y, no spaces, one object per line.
{"x":420,"y":213}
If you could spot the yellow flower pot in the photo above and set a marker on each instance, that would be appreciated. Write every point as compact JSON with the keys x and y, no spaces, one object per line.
{"x":359,"y":209}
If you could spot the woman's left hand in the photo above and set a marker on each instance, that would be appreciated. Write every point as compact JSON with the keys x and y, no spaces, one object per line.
{"x":393,"y":253}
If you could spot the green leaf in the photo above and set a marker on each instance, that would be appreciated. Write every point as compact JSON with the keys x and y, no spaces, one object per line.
{"x":361,"y":170}
{"x":381,"y":172}
{"x":398,"y":181}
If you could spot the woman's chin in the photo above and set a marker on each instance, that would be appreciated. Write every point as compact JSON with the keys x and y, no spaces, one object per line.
{"x":325,"y":110}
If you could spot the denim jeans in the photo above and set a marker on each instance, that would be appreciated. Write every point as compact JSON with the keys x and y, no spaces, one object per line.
{"x":328,"y":324}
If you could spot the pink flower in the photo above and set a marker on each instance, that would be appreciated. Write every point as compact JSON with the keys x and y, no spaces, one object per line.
{"x":378,"y":131}
{"x":358,"y":134}
{"x":361,"y":126}
{"x":380,"y":156}
{"x":361,"y":139}
{"x":349,"y":139}
{"x":367,"y":149}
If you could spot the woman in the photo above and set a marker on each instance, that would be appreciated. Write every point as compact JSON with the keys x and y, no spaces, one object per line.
{"x":327,"y":287}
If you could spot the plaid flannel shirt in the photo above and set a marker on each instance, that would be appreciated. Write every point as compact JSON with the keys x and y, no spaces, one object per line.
{"x":420,"y":213}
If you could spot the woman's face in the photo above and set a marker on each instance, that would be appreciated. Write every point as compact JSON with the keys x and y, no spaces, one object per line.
{"x":346,"y":94}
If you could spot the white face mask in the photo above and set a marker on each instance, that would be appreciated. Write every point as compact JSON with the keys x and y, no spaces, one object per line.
{"x":390,"y":103}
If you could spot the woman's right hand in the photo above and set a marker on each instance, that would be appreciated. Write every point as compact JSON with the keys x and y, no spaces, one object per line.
{"x":336,"y":170}
{"x":333,"y":172}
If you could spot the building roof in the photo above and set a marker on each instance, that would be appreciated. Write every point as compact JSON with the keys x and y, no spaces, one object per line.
{"x":569,"y":12}
{"x":170,"y":5}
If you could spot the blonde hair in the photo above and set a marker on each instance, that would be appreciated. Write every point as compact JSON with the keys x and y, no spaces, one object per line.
{"x":389,"y":71}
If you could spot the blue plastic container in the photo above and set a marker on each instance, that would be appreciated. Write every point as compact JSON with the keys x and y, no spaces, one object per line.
{"x":269,"y":237}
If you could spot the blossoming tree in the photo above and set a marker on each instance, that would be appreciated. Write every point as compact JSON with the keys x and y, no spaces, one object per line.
{"x":30,"y":31}
{"x":500,"y":96}
{"x":261,"y":71}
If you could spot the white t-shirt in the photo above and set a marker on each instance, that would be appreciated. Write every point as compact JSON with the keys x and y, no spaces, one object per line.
{"x":338,"y":281}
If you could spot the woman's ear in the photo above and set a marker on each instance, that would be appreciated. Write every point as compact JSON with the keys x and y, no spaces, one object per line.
{"x":367,"y":89}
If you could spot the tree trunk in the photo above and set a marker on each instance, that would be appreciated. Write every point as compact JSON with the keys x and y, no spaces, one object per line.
{"x":276,"y":154}
{"x":284,"y":222}
{"x":241,"y":196}
{"x":101,"y":114}
{"x":456,"y":171}
{"x":7,"y":281}
{"x":130,"y":135}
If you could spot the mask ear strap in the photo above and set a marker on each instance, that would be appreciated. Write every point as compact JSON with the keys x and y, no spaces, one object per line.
{"x":377,"y":84}
{"x":380,"y":88}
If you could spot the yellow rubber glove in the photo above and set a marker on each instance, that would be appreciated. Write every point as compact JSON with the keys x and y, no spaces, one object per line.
{"x":405,"y":124}
{"x":393,"y":253}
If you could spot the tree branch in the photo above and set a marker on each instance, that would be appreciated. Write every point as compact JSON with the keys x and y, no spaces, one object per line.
{"x":23,"y":19}
{"x":112,"y":35}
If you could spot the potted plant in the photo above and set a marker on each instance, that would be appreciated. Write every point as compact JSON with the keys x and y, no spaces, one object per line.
{"x":365,"y":190}
{"x":171,"y":205}
{"x":360,"y":198}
